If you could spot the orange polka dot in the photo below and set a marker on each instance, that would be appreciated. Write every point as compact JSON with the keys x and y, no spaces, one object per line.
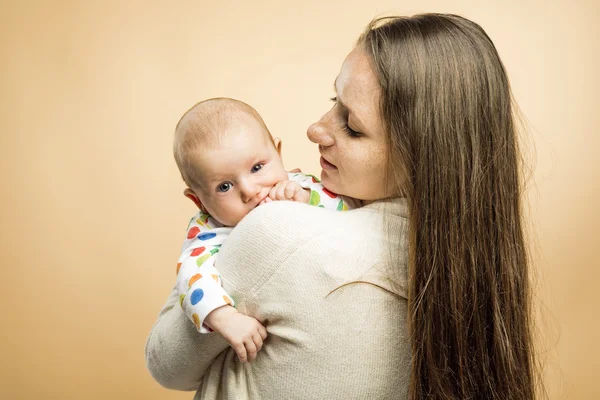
{"x":196,"y":320}
{"x":227,"y":299}
{"x":216,"y":278}
{"x":194,"y":279}
{"x":178,"y":266}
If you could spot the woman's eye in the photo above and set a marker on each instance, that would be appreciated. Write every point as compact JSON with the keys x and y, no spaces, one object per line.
{"x":224,"y":187}
{"x":257,"y":167}
{"x":350,"y":132}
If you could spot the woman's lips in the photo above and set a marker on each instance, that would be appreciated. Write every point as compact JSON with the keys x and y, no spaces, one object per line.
{"x":326,"y":165}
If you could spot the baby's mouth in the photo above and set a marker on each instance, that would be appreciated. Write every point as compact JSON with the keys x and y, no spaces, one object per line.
{"x":264,"y":200}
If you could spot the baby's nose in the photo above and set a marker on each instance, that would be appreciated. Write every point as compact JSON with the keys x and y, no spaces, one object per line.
{"x":249,"y":191}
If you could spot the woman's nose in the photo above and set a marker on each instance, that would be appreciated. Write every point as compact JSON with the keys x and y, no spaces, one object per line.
{"x":320,"y":133}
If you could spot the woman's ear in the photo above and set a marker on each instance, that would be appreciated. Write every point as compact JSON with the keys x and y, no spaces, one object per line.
{"x":277,"y":143}
{"x":189,"y":193}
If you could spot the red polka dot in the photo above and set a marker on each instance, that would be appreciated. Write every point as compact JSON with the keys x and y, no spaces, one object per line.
{"x":197,"y":251}
{"x":193,"y":232}
{"x":330,"y":194}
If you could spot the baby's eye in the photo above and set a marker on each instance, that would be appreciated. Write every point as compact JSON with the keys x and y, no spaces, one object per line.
{"x":257,"y":167}
{"x":224,"y":187}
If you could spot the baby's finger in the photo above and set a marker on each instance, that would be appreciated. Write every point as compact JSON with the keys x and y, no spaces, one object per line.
{"x":257,"y":341}
{"x":240,"y":350}
{"x":290,"y":189}
{"x":272,"y":193}
{"x":250,"y":349}
{"x":262,"y":331}
{"x":280,"y":191}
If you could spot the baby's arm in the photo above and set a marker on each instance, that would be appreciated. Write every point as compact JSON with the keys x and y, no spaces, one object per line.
{"x":201,"y":295}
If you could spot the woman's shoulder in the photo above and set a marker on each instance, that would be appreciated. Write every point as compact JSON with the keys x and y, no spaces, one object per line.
{"x":287,"y":223}
{"x":287,"y":215}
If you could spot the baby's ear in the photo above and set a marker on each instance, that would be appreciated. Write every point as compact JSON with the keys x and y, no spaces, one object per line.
{"x":277,"y":143}
{"x":189,"y":193}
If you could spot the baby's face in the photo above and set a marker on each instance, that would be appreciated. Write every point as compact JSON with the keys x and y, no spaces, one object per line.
{"x":238,"y":171}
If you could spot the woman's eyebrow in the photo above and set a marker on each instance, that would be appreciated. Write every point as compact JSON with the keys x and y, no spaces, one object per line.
{"x":341,"y":103}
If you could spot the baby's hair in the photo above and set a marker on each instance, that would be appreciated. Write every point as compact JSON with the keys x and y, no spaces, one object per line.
{"x":203,"y":124}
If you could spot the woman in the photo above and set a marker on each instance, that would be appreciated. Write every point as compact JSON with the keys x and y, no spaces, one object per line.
{"x":423,"y":292}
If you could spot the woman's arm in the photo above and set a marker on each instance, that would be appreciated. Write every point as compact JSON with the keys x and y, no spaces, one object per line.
{"x":177,"y":355}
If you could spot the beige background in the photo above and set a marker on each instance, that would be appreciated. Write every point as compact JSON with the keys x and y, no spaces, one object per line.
{"x":91,"y":207}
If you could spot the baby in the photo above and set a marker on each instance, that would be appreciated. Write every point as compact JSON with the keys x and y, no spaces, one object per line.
{"x":230,"y":164}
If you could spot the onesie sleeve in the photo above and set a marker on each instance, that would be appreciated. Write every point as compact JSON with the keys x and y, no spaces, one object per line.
{"x":321,"y":197}
{"x":198,"y":281}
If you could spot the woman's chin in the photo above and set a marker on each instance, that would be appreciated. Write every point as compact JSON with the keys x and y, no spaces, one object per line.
{"x":329,"y":183}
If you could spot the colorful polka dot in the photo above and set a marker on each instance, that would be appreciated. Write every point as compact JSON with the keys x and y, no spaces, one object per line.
{"x":196,"y":296}
{"x":178,"y":266}
{"x":227,"y":300}
{"x":181,"y":298}
{"x":194,"y":279}
{"x":202,"y":259}
{"x":196,"y":319}
{"x":342,"y":206}
{"x":203,"y":220}
{"x":216,"y":278}
{"x":315,"y":198}
{"x":207,"y":235}
{"x":197,"y":251}
{"x":314,"y":178}
{"x":193,"y":232}
{"x":330,"y":194}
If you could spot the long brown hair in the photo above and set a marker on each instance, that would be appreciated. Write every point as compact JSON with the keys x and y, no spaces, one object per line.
{"x":447,"y":108}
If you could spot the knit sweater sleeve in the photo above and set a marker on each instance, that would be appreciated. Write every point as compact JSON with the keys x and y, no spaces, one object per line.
{"x":177,"y":356}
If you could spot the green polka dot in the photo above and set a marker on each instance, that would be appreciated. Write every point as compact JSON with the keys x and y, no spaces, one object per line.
{"x":201,"y":260}
{"x":315,"y":198}
{"x":342,"y":206}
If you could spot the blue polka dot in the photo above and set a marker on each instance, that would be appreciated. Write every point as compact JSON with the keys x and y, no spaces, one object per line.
{"x":206,"y":236}
{"x":197,"y":295}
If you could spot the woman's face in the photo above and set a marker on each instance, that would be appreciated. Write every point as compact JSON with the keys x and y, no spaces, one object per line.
{"x":351,"y":136}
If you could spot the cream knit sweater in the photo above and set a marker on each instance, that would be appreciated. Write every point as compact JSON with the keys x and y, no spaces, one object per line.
{"x":285,"y":265}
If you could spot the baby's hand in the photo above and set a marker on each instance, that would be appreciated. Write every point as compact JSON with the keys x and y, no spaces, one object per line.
{"x":289,"y":190}
{"x":245,"y":334}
